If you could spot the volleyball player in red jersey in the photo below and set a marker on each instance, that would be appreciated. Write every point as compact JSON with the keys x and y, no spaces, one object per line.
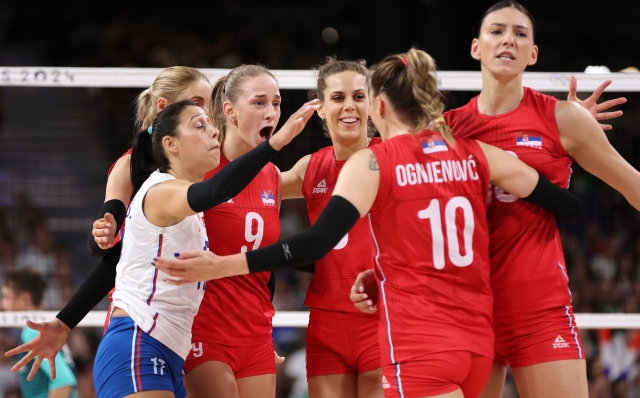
{"x":425,"y":196}
{"x":232,"y":349}
{"x":342,"y":353}
{"x":534,"y":324}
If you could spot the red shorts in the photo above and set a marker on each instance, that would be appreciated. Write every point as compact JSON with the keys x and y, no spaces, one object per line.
{"x":437,"y":374}
{"x":536,"y":336}
{"x":244,"y":361}
{"x":341,"y":343}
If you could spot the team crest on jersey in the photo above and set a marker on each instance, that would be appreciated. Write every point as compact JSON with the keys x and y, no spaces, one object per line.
{"x":433,"y":144}
{"x":321,"y":187}
{"x":267,"y":197}
{"x":524,"y":139}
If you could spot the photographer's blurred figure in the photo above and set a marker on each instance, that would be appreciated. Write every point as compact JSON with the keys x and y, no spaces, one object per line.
{"x":22,"y":290}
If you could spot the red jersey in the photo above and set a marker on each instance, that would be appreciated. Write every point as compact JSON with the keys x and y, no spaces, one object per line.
{"x":429,"y":225}
{"x":335,"y":273}
{"x":238,"y":310}
{"x":527,"y":261}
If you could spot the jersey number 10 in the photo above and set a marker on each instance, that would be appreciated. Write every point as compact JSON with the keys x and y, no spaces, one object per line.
{"x":432,"y":213}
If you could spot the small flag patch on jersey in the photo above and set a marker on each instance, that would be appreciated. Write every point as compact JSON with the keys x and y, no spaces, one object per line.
{"x":267,"y":197}
{"x":433,"y":145}
{"x":528,"y":140}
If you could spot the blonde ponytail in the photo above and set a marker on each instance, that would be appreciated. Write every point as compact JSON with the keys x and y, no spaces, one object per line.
{"x":218,"y":117}
{"x":147,"y":112}
{"x":409,"y":82}
{"x":169,"y":84}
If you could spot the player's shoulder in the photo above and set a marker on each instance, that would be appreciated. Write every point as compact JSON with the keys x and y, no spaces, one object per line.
{"x":538,"y":96}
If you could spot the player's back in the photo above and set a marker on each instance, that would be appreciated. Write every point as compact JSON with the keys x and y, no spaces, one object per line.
{"x":430,"y":230}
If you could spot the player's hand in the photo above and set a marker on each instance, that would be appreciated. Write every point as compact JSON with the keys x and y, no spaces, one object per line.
{"x":278,"y":358}
{"x":364,"y":292}
{"x":51,"y":338}
{"x":201,"y":265}
{"x":294,"y":125}
{"x":103,"y":231}
{"x":590,"y":103}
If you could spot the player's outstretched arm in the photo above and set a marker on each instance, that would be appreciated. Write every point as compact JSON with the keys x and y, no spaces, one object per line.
{"x":51,"y":338}
{"x":352,"y":198}
{"x":591,"y":103}
{"x":584,"y":140}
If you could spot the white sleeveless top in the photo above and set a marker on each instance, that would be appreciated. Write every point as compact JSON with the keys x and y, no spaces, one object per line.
{"x":163,"y":311}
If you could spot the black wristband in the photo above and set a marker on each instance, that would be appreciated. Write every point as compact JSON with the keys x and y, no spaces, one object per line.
{"x":119,"y":212}
{"x":335,"y":221}
{"x":565,"y":205}
{"x":97,"y":285}
{"x":271,"y":285}
{"x":229,"y":181}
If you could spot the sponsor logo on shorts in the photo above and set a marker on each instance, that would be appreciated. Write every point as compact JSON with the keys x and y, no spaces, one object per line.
{"x":560,"y":343}
{"x":385,"y":382}
{"x":321,"y":187}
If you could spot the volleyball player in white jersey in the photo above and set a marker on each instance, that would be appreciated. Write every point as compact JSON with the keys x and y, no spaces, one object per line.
{"x":149,"y":336}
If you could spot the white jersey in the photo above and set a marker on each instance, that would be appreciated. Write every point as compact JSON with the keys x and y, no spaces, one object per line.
{"x":162,"y":310}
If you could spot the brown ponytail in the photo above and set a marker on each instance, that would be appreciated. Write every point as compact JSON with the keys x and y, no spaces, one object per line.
{"x":409,"y":82}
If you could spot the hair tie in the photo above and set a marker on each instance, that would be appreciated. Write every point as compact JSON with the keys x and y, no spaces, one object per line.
{"x":439,"y":121}
{"x":404,"y":60}
{"x":150,"y":130}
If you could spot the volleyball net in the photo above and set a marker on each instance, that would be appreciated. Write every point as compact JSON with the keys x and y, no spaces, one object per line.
{"x":61,"y":128}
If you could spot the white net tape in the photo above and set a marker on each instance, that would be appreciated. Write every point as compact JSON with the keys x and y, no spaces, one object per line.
{"x":301,"y":319}
{"x":293,"y":79}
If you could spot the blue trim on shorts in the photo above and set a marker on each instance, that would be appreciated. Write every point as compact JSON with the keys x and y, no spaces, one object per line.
{"x":130,"y":361}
